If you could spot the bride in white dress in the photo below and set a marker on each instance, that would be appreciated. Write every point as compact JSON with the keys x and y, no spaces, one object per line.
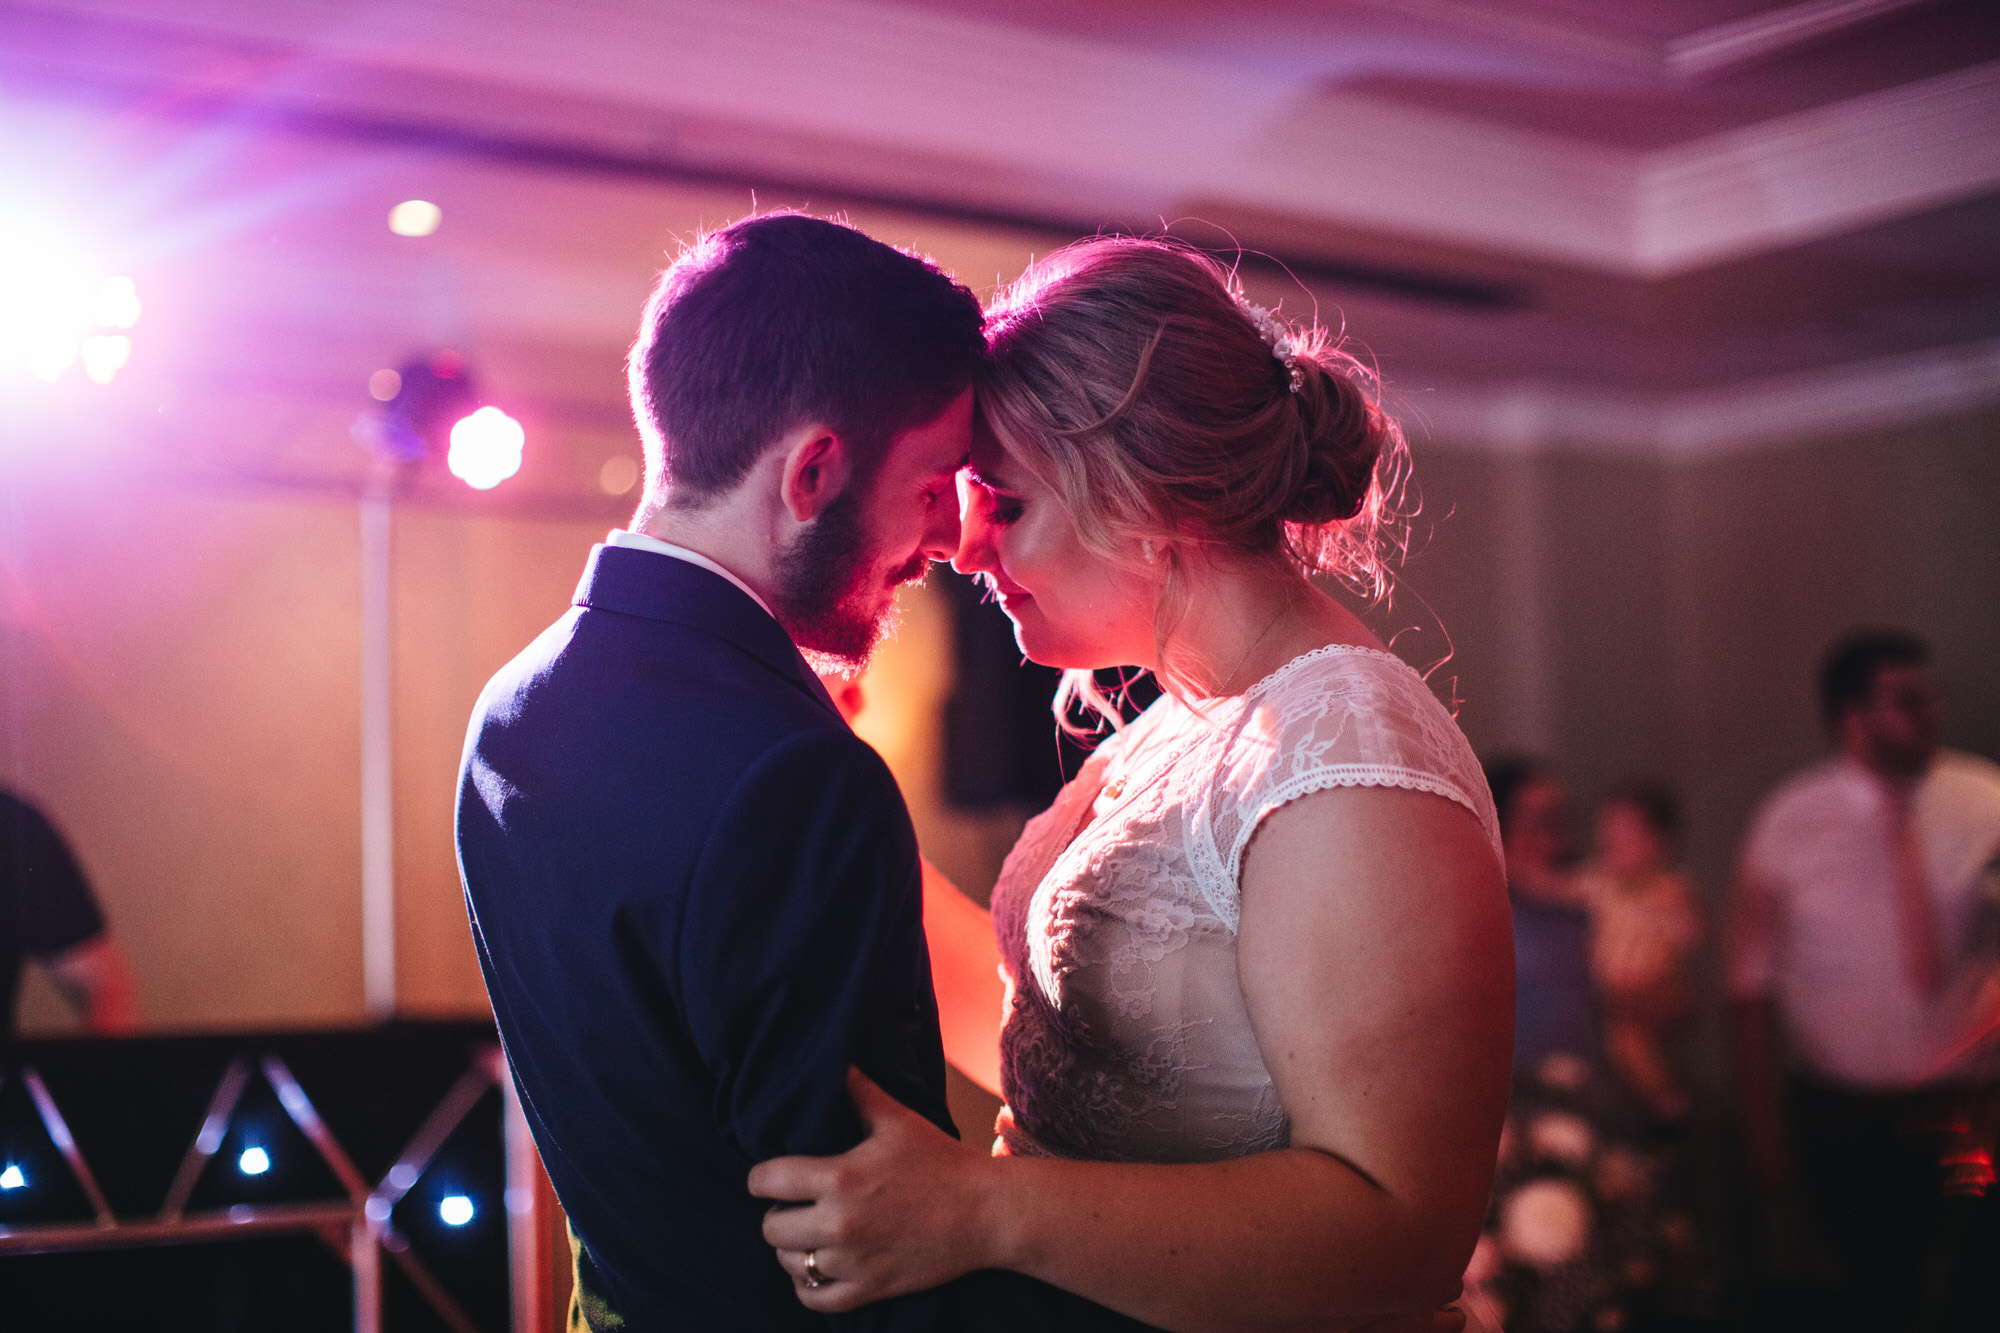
{"x":1259,"y":971}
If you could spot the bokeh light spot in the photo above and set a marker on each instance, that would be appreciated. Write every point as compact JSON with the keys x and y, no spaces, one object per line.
{"x":117,"y":303}
{"x":384,"y":385}
{"x":52,"y":306}
{"x":618,"y":475}
{"x":485,"y":448}
{"x":105,"y":355}
{"x":415,"y":217}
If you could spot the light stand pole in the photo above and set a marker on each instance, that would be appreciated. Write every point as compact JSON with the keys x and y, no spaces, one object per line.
{"x":378,"y":811}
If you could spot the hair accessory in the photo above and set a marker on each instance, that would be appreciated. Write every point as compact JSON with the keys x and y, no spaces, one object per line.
{"x":1276,"y":336}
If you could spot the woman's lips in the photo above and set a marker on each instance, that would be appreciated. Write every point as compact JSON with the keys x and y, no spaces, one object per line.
{"x":1002,"y":589}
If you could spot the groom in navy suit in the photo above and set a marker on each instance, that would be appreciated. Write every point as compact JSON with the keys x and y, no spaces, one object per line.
{"x":694,"y":891}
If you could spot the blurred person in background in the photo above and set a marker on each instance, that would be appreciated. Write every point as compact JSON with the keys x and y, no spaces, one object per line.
{"x":1555,"y":1001}
{"x":1584,"y":1232}
{"x":1644,"y":928}
{"x":49,"y":914}
{"x":1865,"y":987}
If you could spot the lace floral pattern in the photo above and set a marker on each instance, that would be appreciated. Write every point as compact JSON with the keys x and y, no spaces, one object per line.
{"x":1126,"y":1036}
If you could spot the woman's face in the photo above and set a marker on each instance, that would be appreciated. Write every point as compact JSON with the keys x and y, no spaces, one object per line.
{"x":1070,"y":606}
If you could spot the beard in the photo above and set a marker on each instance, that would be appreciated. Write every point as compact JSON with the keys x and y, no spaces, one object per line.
{"x":828,"y":598}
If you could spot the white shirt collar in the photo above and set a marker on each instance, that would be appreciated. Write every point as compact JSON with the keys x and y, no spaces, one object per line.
{"x":639,"y":541}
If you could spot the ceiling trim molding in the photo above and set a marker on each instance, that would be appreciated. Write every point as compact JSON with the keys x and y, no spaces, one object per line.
{"x":1801,"y":177}
{"x":1692,"y":55}
{"x":1682,"y":428}
{"x":1727,"y":45}
{"x":1126,"y":136}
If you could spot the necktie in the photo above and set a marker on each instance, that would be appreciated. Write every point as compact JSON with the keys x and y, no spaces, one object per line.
{"x":1913,"y":899}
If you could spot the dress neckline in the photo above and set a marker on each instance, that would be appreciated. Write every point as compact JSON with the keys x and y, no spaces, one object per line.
{"x":1258,"y":686}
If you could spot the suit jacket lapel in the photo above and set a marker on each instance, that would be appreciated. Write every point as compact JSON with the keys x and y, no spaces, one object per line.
{"x":660,"y":587}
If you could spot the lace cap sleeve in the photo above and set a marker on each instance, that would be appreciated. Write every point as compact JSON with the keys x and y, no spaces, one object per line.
{"x":1341,"y":716}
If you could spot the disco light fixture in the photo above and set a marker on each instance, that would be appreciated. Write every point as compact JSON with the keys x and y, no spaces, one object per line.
{"x":431,"y":407}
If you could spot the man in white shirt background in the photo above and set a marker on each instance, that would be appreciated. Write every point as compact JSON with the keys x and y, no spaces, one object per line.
{"x":1864,"y":979}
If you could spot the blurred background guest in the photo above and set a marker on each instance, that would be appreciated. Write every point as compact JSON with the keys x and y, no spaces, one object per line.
{"x":1585,"y":1230}
{"x":1862,"y":965}
{"x":48,"y":913}
{"x":1643,"y":929}
{"x":1555,"y":1005}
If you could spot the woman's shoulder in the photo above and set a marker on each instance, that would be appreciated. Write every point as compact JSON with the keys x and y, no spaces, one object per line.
{"x":1351,"y":705}
{"x":1342,"y":715}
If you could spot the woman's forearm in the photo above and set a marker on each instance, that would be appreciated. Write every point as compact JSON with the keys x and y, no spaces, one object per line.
{"x":965,"y":973}
{"x":1293,"y":1239}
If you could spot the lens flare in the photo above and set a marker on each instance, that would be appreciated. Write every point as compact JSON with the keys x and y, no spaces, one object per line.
{"x":104,"y":355}
{"x":53,"y":308}
{"x":485,"y":448}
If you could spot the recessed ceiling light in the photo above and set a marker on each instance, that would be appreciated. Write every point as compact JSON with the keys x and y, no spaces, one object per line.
{"x":415,"y":217}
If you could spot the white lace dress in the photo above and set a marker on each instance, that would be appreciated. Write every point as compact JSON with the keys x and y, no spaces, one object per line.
{"x":1126,"y":1035}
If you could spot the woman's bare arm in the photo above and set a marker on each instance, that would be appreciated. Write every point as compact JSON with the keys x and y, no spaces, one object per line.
{"x":965,"y":972}
{"x":1377,"y":965}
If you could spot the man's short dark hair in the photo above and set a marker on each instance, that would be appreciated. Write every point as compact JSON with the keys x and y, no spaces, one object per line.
{"x":785,"y":319}
{"x":1848,"y":675}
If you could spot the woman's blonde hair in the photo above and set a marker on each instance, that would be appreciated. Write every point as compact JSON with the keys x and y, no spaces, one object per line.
{"x":1132,"y":378}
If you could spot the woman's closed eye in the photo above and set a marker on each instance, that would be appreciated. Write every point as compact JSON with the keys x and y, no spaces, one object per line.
{"x":999,"y":508}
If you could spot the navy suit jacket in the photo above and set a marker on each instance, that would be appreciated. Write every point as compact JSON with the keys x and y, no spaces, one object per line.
{"x":696,"y":899}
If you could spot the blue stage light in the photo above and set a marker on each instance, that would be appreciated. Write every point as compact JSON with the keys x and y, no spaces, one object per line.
{"x":12,"y":1179}
{"x":455,"y":1209}
{"x":254,"y":1162}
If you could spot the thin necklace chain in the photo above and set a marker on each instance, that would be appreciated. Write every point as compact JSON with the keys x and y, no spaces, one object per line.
{"x":1255,"y":643}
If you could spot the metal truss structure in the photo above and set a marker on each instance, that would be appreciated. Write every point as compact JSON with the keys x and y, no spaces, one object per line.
{"x":359,"y":1226}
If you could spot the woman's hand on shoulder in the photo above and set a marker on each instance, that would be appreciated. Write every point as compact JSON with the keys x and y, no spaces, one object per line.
{"x":906,"y":1209}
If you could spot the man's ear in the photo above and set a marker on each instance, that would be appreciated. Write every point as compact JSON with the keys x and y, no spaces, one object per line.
{"x":816,"y":469}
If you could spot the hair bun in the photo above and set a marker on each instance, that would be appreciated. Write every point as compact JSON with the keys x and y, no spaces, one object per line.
{"x":1340,"y":435}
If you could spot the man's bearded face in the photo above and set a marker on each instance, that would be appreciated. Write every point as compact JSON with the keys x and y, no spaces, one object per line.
{"x":836,"y":588}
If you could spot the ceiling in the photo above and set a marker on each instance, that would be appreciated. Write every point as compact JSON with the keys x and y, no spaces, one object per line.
{"x":1631,"y":216}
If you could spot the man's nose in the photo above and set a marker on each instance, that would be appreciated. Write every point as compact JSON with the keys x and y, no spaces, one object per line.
{"x":941,"y":528}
